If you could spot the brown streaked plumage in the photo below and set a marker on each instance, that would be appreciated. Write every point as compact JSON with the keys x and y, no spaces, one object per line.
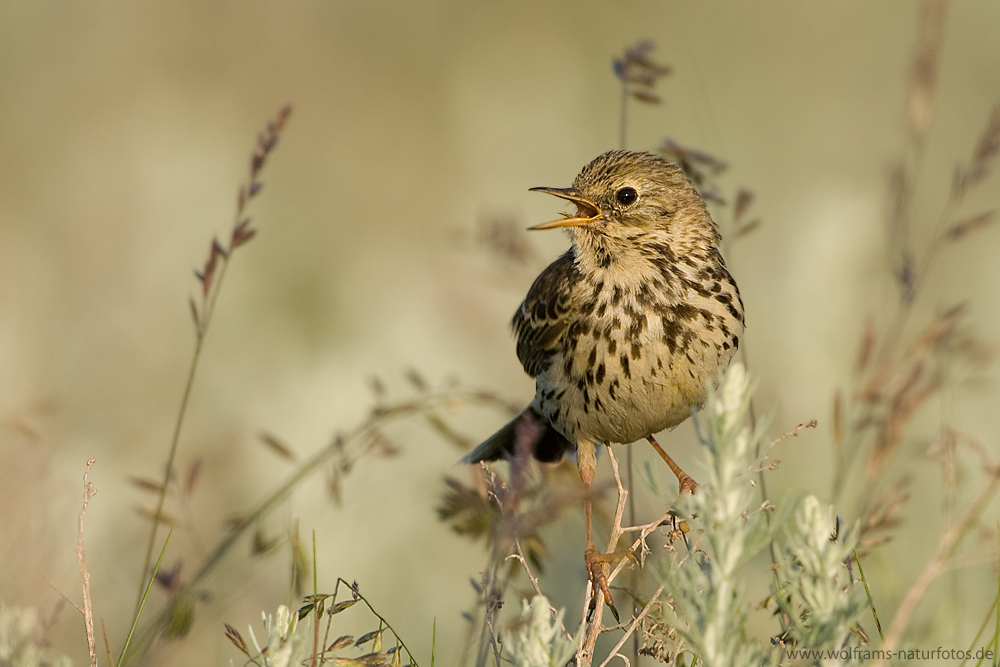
{"x":627,"y":330}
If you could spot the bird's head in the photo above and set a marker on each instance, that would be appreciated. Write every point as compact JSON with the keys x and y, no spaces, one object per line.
{"x":628,"y":195}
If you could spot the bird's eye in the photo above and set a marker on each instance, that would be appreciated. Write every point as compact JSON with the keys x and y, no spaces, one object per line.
{"x":626,"y":196}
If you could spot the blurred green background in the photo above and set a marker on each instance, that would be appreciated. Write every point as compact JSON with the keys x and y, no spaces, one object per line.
{"x":125,"y":129}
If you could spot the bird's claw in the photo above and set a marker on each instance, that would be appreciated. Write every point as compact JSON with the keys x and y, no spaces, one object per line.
{"x":686,"y":483}
{"x":597,"y":564}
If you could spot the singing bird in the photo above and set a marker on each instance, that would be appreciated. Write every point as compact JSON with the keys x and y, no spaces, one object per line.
{"x":626,"y":331}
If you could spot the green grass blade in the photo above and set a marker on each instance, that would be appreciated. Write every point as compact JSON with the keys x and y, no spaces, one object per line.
{"x":142,"y":600}
{"x":868,"y":592}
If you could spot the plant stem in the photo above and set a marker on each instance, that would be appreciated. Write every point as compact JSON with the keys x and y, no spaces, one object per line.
{"x":935,"y":566}
{"x":623,"y":122}
{"x":88,"y":610}
{"x":361,"y":597}
{"x":383,"y":416}
{"x":200,"y":333}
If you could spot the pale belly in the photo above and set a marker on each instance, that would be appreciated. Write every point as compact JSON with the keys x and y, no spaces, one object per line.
{"x":602,"y":391}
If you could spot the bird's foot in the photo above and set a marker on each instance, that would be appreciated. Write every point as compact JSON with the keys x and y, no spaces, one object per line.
{"x":597,"y":569}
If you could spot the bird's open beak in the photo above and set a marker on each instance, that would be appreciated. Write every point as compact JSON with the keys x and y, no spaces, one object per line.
{"x":586,"y":210}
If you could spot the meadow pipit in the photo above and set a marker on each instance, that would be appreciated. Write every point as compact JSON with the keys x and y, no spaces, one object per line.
{"x":626,"y":331}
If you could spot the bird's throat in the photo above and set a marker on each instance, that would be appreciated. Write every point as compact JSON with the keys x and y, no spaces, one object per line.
{"x":615,"y":260}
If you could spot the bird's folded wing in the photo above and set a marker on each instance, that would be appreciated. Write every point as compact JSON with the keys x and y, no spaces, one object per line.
{"x":544,"y":315}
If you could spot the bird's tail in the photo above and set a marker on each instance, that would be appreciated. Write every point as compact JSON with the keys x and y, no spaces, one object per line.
{"x":527,"y":433}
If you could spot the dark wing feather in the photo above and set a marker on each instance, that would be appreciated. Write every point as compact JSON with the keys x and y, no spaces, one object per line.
{"x":527,"y":432}
{"x":544,"y":315}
